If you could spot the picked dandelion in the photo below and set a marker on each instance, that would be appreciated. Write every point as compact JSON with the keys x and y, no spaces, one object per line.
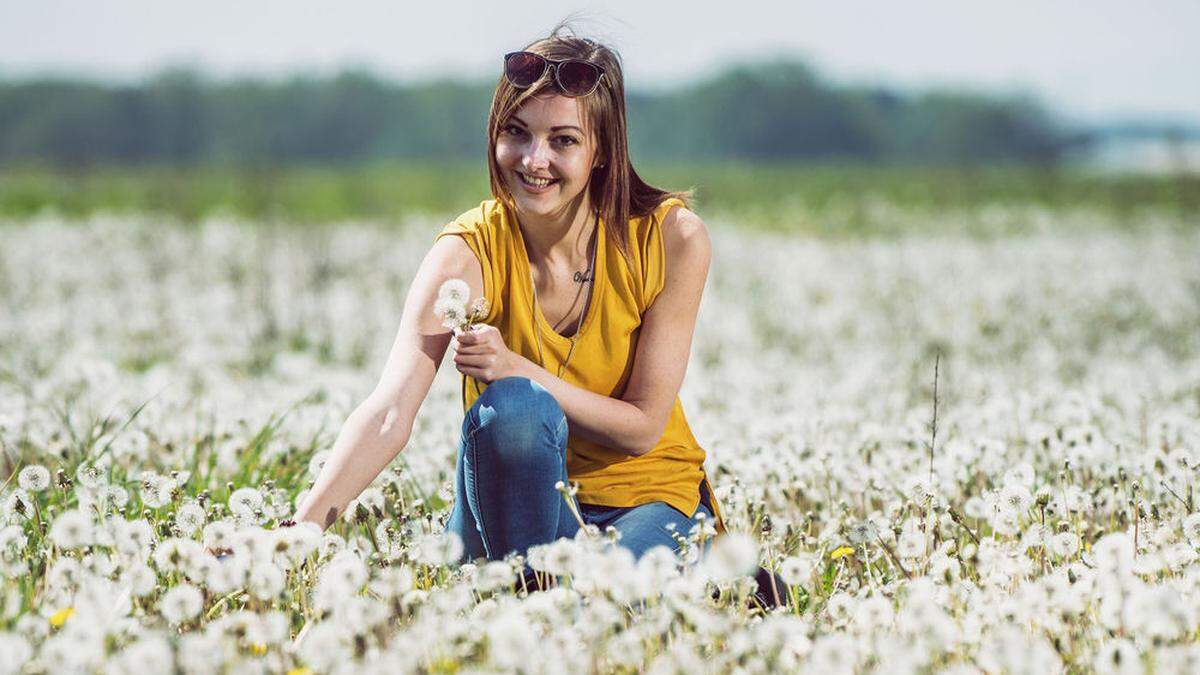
{"x":451,"y":306}
{"x":454,"y":290}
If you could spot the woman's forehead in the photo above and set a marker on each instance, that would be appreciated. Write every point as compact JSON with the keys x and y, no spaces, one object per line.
{"x":552,"y":110}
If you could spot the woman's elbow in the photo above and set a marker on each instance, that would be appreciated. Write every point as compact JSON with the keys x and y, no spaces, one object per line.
{"x":646,"y":442}
{"x":386,"y":424}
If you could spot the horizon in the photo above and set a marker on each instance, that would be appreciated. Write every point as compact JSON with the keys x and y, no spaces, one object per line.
{"x":1110,"y":63}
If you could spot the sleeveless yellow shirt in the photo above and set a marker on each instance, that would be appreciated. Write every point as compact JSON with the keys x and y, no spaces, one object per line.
{"x":673,"y":470}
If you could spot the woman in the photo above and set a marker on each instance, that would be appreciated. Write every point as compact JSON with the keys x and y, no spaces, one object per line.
{"x":593,"y":280}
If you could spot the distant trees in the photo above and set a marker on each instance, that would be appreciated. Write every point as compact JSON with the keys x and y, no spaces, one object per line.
{"x":775,"y":110}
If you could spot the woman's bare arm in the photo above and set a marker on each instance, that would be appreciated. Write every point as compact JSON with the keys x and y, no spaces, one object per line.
{"x":380,"y":426}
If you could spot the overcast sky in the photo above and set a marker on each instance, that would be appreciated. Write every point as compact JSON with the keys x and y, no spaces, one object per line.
{"x":1100,"y":59}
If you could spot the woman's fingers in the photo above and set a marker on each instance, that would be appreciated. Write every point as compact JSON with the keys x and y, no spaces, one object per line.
{"x":473,"y":349}
{"x":474,"y":360}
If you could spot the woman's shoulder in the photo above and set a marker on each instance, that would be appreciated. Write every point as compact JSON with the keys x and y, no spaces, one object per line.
{"x":646,"y":231}
{"x":664,"y":207}
{"x":487,"y":214}
{"x":648,"y":245}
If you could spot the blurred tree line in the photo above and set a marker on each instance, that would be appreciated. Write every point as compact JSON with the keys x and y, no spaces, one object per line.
{"x":766,"y":111}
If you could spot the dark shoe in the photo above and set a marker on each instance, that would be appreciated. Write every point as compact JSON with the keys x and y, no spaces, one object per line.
{"x":767,"y":597}
{"x":771,"y":595}
{"x":529,"y":581}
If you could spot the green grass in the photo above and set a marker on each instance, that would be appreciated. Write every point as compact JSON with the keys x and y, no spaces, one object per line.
{"x":760,"y":194}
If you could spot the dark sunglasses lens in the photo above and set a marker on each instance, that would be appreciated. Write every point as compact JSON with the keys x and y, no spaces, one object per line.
{"x":578,"y":77}
{"x":524,"y":68}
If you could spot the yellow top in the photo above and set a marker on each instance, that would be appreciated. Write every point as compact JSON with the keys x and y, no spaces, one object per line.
{"x":606,"y":342}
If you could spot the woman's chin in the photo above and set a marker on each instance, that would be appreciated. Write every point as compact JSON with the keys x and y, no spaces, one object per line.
{"x":536,"y":203}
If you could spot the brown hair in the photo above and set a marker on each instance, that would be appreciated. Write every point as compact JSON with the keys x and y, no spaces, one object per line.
{"x":616,"y":190}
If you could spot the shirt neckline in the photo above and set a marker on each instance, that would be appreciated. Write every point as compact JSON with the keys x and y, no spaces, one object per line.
{"x":598,"y":285}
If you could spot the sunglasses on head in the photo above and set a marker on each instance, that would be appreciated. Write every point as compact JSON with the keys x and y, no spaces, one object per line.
{"x":574,"y":77}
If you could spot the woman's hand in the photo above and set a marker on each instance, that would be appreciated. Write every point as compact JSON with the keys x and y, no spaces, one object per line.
{"x":482,"y":354}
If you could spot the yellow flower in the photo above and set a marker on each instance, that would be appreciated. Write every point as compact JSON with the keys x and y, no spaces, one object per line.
{"x":299,"y":671}
{"x":841,"y":552}
{"x":258,"y":649}
{"x":60,"y":617}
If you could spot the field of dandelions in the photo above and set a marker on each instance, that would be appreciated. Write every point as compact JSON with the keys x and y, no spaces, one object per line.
{"x":168,"y":390}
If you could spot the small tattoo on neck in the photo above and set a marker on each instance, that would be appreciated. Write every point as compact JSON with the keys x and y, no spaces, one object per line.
{"x":583,"y":277}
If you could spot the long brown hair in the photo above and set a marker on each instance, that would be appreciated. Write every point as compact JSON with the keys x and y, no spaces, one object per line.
{"x":616,"y":190}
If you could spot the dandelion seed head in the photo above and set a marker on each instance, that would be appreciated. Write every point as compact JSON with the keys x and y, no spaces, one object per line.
{"x":454,"y":290}
{"x":34,"y":478}
{"x":189,"y":518}
{"x":72,"y":529}
{"x":181,"y":603}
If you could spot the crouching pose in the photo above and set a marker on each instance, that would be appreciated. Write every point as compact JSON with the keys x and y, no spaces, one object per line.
{"x":592,"y":280}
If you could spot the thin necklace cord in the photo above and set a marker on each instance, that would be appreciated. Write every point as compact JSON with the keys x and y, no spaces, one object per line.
{"x":586,"y":309}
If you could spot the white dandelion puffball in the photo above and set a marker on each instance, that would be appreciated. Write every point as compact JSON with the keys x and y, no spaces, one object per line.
{"x":246,"y":502}
{"x":181,"y":603}
{"x":455,"y":290}
{"x":266,"y":581}
{"x":34,"y":478}
{"x":317,"y":461}
{"x":796,"y":569}
{"x":189,"y":518}
{"x":733,"y":554}
{"x":90,"y":476}
{"x":479,"y":308}
{"x":72,"y":529}
{"x":15,"y":650}
{"x":439,"y":549}
{"x":1191,"y":528}
{"x":494,"y":575}
{"x":453,"y":312}
{"x":218,"y":534}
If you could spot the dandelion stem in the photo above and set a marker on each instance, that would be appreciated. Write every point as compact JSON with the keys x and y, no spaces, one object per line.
{"x":933,"y":426}
{"x":891,"y":554}
{"x":961,"y":522}
{"x":1167,"y":487}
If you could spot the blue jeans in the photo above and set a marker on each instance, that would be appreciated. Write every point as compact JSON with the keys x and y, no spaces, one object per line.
{"x":513,"y":450}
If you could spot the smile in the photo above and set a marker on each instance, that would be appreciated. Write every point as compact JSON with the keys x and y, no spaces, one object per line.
{"x":536,"y":184}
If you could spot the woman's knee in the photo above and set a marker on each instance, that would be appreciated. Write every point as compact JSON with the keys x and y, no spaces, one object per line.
{"x":652,"y":524}
{"x":517,"y":417}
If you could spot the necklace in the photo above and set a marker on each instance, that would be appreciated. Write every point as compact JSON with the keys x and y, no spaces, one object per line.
{"x":537,"y":330}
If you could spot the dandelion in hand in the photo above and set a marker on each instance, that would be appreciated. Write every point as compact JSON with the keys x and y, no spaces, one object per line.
{"x":451,"y":305}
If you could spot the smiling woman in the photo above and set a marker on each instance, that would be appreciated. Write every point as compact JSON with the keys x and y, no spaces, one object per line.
{"x":593,"y":281}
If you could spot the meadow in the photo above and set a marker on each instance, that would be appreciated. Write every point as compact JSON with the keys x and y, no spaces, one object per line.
{"x":171,"y":381}
{"x":827,"y":200}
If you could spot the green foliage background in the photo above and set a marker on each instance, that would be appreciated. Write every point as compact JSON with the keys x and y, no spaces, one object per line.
{"x":767,"y":111}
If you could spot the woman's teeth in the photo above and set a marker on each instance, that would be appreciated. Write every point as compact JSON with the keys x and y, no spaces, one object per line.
{"x":535,"y":182}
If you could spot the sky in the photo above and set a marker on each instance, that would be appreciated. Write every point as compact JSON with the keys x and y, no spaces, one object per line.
{"x":1096,"y":61}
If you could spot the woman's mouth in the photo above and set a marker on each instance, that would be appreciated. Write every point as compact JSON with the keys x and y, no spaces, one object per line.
{"x":535,"y":184}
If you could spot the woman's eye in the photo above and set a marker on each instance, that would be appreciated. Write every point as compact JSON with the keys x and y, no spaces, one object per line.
{"x":566,"y":140}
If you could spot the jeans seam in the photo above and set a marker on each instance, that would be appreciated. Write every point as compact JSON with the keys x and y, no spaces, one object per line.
{"x":487,"y":548}
{"x":471,"y":428}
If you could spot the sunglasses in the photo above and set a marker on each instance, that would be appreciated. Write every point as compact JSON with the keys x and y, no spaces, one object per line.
{"x":573,"y":76}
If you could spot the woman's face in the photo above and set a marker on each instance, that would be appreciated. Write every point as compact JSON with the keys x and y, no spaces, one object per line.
{"x":545,"y":139}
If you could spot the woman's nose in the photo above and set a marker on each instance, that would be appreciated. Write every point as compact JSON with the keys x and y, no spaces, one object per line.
{"x":536,"y":156}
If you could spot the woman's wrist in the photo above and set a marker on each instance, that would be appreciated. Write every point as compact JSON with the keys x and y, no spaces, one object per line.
{"x":524,"y":367}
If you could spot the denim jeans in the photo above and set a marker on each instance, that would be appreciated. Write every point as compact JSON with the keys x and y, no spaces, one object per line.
{"x":512,"y":452}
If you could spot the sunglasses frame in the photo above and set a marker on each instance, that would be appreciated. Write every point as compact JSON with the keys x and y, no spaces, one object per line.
{"x":553,"y":64}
